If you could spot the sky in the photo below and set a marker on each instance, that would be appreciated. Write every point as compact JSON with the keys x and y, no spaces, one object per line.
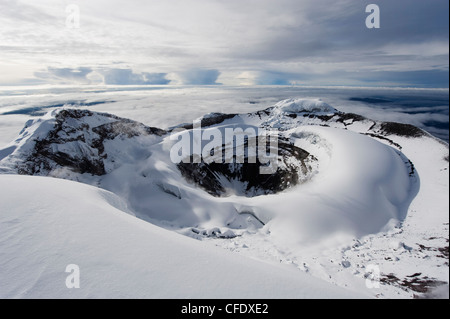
{"x":224,"y":42}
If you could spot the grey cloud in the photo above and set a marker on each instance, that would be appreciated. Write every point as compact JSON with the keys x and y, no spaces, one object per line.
{"x":276,"y":78}
{"x":65,"y":75}
{"x":287,"y":41}
{"x":422,"y":78}
{"x":199,"y":76}
{"x":127,"y":77}
{"x":113,"y":76}
{"x":17,"y":10}
{"x":334,"y":28}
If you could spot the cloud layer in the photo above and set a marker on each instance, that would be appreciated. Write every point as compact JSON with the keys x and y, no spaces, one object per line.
{"x":302,"y":42}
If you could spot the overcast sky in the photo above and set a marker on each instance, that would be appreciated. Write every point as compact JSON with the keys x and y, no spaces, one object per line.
{"x":229,"y":42}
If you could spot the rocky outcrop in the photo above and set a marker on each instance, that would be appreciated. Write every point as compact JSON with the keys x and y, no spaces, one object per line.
{"x":222,"y":179}
{"x":77,"y":142}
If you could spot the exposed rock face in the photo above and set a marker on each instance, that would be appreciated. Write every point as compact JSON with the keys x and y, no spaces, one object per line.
{"x":400,"y":129}
{"x":77,"y":142}
{"x":211,"y":119}
{"x":221,"y":179}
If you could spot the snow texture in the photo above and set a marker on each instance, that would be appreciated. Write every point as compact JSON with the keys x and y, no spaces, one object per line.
{"x":120,"y":256}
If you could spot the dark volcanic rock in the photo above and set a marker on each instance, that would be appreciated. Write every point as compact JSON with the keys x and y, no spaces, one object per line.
{"x":338,"y":117}
{"x":401,"y":129}
{"x":221,"y":179}
{"x":211,"y":119}
{"x":77,"y":142}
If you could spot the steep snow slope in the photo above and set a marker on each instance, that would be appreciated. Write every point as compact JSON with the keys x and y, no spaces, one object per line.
{"x":120,"y":256}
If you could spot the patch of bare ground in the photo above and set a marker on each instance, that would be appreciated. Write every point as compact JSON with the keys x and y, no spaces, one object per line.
{"x":415,"y":282}
{"x":443,"y":252}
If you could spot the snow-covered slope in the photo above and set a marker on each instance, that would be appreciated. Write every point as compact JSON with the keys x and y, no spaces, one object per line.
{"x":359,"y":187}
{"x":48,"y":224}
